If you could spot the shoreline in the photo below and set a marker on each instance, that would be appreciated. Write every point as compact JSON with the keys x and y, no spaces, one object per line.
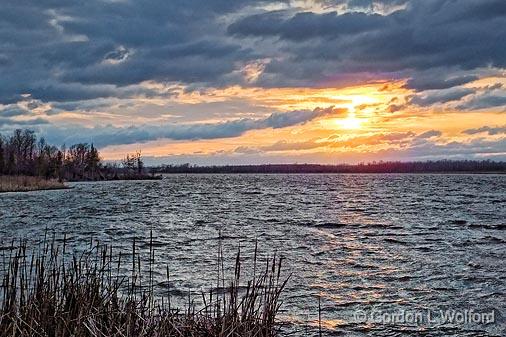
{"x":23,"y":184}
{"x":16,"y":184}
{"x":36,"y":189}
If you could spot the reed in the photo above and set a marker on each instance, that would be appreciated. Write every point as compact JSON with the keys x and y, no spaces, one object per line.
{"x":51,"y":292}
{"x":28,"y":183}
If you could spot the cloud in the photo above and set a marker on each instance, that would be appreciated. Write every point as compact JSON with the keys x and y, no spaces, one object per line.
{"x":430,"y":134}
{"x":69,"y":51}
{"x":7,"y":124}
{"x":440,"y":96}
{"x":335,"y":142}
{"x":484,"y":101}
{"x":13,"y":111}
{"x":246,"y":150}
{"x":283,"y":145}
{"x":117,"y":43}
{"x":478,"y":148}
{"x":395,"y":107}
{"x":281,"y":120}
{"x":487,"y":129}
{"x":438,"y":44}
{"x":26,"y":108}
{"x":307,"y":25}
{"x":110,"y":135}
{"x":432,"y":81}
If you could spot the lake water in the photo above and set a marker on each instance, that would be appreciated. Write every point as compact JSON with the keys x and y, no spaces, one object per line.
{"x":383,"y":246}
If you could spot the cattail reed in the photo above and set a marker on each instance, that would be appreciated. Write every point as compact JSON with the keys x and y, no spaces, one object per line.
{"x":50,"y":292}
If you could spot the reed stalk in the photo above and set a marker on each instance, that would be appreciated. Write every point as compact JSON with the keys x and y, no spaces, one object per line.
{"x":51,"y":292}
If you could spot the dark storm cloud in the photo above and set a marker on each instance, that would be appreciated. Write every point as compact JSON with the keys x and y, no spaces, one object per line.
{"x":430,"y":134}
{"x":371,"y":3}
{"x":443,"y":96}
{"x":283,"y":119}
{"x":110,"y":135}
{"x":430,"y":38}
{"x":13,"y":111}
{"x":307,"y":25}
{"x":497,"y":130}
{"x":73,"y":51}
{"x":434,"y":81}
{"x":484,"y":101}
{"x":47,"y":45}
{"x":195,"y":62}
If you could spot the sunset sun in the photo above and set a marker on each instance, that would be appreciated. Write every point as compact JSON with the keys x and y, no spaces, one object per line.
{"x":351,"y":122}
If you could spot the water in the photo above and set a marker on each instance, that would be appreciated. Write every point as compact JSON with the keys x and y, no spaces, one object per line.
{"x":366,"y":244}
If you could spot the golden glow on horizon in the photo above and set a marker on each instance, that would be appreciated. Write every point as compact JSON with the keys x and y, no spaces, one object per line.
{"x":286,"y":99}
{"x":361,"y":125}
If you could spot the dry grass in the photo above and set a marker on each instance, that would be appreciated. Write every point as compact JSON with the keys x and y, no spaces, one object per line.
{"x":50,"y":292}
{"x":27,"y":183}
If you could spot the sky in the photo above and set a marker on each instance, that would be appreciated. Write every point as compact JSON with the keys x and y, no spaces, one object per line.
{"x":250,"y":82}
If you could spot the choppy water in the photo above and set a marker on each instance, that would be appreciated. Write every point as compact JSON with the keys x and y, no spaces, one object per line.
{"x":367,"y":244}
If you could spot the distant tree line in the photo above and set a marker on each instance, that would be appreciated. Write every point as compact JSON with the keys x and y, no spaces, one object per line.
{"x":473,"y":166}
{"x":22,"y":153}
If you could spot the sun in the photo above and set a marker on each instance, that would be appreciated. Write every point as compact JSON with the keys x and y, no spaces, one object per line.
{"x":351,"y":122}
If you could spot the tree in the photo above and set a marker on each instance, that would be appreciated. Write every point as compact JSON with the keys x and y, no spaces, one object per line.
{"x":133,"y":164}
{"x":139,"y":162}
{"x":93,"y":162}
{"x":23,"y":153}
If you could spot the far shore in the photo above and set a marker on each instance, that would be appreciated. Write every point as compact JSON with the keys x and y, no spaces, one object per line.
{"x":340,"y":173}
{"x":417,"y":167}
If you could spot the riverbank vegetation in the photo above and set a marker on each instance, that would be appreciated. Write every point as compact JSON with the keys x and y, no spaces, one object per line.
{"x":23,"y":154}
{"x":27,"y":183}
{"x":51,"y":292}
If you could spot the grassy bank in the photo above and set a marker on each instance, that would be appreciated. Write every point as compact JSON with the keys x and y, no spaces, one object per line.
{"x":26,"y":183}
{"x":50,"y":292}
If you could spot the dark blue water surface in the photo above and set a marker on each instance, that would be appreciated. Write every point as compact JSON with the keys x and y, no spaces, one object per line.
{"x":371,"y":246}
